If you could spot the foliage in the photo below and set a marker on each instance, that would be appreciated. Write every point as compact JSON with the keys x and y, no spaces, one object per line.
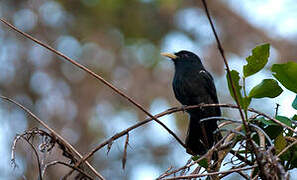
{"x":286,"y":74}
{"x":257,"y":60}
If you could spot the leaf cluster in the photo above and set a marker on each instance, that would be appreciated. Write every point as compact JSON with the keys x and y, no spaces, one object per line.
{"x":285,"y":74}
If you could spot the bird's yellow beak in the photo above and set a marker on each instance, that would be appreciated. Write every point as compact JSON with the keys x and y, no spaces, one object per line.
{"x":171,"y":56}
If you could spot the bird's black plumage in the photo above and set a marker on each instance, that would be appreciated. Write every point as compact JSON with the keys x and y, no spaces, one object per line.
{"x":193,"y":85}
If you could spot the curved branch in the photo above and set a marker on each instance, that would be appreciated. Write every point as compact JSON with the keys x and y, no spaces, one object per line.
{"x":34,"y":150}
{"x":285,"y":149}
{"x":65,"y":164}
{"x":239,"y":122}
{"x":170,"y":111}
{"x":212,"y":173}
{"x":54,"y":133}
{"x":198,"y":160}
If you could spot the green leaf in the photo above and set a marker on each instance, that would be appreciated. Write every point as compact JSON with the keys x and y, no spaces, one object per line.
{"x":257,"y":60}
{"x":246,"y":102}
{"x":294,"y":160}
{"x":294,"y":119}
{"x":267,"y":122}
{"x":203,"y":163}
{"x":286,"y":155}
{"x":294,"y":104}
{"x":267,"y":88}
{"x":284,"y":120}
{"x":273,"y":131}
{"x":195,"y":158}
{"x":286,"y":74}
{"x":235,"y":78}
{"x":280,"y":143}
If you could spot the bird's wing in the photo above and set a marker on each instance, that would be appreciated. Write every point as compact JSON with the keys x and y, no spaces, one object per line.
{"x":207,"y":82}
{"x":197,"y":88}
{"x":207,"y":94}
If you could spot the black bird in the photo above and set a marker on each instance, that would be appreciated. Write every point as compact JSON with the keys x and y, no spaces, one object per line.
{"x":193,"y":85}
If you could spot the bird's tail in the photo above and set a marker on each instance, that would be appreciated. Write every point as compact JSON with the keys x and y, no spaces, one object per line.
{"x":200,"y":136}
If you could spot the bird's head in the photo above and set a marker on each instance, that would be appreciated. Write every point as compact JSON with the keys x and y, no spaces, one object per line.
{"x":183,"y":57}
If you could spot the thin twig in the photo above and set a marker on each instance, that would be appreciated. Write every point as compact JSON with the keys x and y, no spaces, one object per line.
{"x":241,"y":158}
{"x":210,"y":174}
{"x":243,"y":175}
{"x":276,"y":109}
{"x":54,"y":133}
{"x":34,"y":150}
{"x":240,"y":166}
{"x":65,"y":164}
{"x":125,"y":151}
{"x":169,"y":169}
{"x":198,"y":160}
{"x":235,"y":121}
{"x":272,"y":119}
{"x":170,"y":111}
{"x":286,"y":148}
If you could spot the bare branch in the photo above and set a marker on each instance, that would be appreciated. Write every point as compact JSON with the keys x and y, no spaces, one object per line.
{"x":170,"y":111}
{"x":287,"y":147}
{"x":125,"y":151}
{"x":22,"y":136}
{"x":54,"y":133}
{"x":65,"y":164}
{"x":210,"y":174}
{"x":198,"y":160}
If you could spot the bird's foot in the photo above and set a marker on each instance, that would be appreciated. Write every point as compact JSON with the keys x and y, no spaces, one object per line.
{"x":201,"y":105}
{"x":183,"y":108}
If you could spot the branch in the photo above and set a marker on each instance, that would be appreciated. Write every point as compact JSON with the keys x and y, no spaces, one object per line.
{"x":122,"y":133}
{"x":285,"y":149}
{"x":125,"y":152}
{"x":65,"y":164}
{"x":198,"y":160}
{"x":210,"y":174}
{"x":54,"y":133}
{"x":34,"y":150}
{"x":170,"y":111}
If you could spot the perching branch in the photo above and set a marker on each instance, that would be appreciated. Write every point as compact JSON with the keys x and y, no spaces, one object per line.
{"x":212,"y":173}
{"x":169,"y":111}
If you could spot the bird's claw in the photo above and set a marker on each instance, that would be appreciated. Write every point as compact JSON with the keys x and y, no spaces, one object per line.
{"x":201,"y":107}
{"x":183,"y":108}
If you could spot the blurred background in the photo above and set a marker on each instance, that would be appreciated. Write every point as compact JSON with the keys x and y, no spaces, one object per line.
{"x":121,"y":40}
